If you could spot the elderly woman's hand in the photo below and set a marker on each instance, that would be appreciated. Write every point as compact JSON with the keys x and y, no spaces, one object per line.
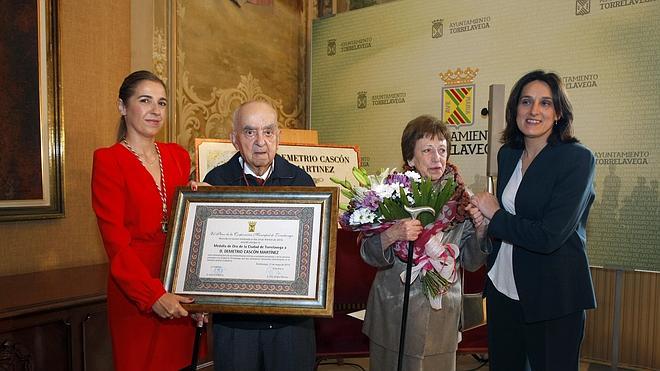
{"x":486,"y":203}
{"x":478,"y":219}
{"x":475,"y":214}
{"x":402,"y":230}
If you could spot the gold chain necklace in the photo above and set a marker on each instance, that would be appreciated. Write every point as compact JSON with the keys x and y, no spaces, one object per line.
{"x":162,"y":190}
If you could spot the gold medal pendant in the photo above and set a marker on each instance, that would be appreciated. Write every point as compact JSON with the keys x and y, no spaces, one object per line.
{"x":162,"y":189}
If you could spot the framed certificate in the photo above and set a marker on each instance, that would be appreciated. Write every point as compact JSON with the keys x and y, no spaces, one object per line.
{"x":260,"y":250}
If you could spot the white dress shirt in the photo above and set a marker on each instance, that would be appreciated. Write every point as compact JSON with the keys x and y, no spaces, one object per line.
{"x":501,"y":273}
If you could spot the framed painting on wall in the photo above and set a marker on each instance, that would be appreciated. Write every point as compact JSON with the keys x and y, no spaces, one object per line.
{"x":31,"y":140}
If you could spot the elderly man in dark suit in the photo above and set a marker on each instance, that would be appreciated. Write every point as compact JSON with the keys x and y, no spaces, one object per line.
{"x":255,"y":342}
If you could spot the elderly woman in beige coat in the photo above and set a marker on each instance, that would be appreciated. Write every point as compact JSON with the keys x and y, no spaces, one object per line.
{"x":432,"y":335}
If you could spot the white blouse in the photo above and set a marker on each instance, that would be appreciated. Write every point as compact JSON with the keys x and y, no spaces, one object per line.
{"x":501,"y":273}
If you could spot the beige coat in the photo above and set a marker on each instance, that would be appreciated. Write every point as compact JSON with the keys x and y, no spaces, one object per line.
{"x":429,"y":331}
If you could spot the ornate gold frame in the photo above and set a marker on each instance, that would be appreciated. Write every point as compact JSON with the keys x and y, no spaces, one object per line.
{"x":51,"y":205}
{"x":183,"y":259}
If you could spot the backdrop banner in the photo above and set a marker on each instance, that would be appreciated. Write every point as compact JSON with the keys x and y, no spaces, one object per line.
{"x":375,"y":69}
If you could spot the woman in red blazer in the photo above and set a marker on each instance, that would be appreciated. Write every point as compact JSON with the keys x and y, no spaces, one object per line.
{"x":539,"y":283}
{"x":133,"y":182}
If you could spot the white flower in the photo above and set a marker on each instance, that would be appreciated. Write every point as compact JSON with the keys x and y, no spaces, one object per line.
{"x":413,"y":175}
{"x":386,"y":190}
{"x":380,"y":177}
{"x":411,"y":200}
{"x":362,"y":216}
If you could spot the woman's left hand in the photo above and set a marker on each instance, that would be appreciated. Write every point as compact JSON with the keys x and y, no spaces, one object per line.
{"x":193,"y":185}
{"x":168,"y":306}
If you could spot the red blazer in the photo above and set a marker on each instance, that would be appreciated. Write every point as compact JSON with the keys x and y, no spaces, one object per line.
{"x":128,"y":208}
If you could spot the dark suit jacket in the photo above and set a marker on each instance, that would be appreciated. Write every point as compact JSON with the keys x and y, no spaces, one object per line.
{"x":284,"y":174}
{"x":548,"y":231}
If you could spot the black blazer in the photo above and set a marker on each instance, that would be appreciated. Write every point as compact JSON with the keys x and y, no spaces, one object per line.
{"x":548,"y":232}
{"x":284,"y":174}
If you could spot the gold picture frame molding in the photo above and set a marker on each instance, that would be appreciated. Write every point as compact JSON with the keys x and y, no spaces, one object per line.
{"x":51,"y":205}
{"x":297,"y":280}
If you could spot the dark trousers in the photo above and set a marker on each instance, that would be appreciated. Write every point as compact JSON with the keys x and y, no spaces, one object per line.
{"x":279,"y":349}
{"x":514,"y":345}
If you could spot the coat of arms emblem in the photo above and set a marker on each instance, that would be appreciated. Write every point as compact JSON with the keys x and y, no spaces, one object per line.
{"x":332,"y":47}
{"x":458,"y":96}
{"x":362,"y":99}
{"x":436,"y":29}
{"x":582,"y":7}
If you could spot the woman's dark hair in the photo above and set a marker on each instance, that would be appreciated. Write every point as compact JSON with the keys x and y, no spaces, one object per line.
{"x":127,"y":90}
{"x":418,"y":128}
{"x":562,"y":131}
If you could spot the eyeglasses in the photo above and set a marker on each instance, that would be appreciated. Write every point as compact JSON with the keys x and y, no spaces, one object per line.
{"x":252,"y":133}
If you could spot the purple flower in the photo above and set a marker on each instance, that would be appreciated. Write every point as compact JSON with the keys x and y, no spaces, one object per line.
{"x":399,"y":178}
{"x":344,"y":218}
{"x":370,"y":201}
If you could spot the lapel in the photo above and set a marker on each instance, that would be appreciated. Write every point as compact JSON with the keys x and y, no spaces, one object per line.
{"x":509,"y":159}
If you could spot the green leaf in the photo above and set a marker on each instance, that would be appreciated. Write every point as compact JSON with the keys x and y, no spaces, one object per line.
{"x":426,"y":218}
{"x":404,"y":197}
{"x":392,"y":210}
{"x":361,"y":176}
{"x":425,"y":192}
{"x":385,"y":211}
{"x":337,"y":181}
{"x":445,"y":194}
{"x":416,"y":195}
{"x":347,"y":193}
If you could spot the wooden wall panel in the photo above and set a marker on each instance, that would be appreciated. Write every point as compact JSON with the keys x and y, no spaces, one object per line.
{"x":599,"y":321}
{"x":96,"y":354}
{"x":640,"y":321}
{"x":41,"y":346}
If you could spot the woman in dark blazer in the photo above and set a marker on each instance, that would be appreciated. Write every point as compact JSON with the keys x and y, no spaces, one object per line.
{"x":539,"y":284}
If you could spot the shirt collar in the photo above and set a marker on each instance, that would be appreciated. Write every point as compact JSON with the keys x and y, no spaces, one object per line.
{"x":247,"y":170}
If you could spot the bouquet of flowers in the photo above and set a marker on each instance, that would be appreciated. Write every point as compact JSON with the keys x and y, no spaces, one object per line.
{"x":381,"y":199}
